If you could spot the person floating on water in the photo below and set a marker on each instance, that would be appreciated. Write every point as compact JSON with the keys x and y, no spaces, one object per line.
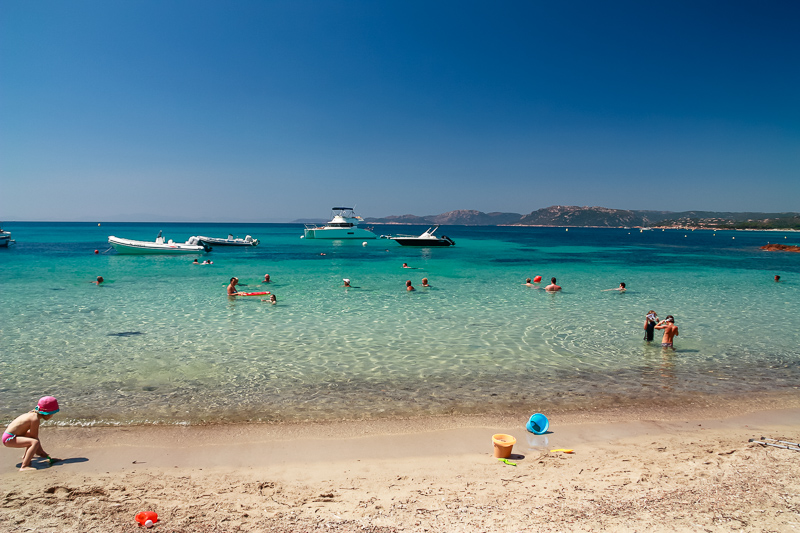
{"x":621,"y":288}
{"x":23,"y":432}
{"x":425,"y":282}
{"x":409,"y":287}
{"x":405,"y":265}
{"x":650,"y":322}
{"x":232,"y":287}
{"x":670,"y":331}
{"x":552,"y":287}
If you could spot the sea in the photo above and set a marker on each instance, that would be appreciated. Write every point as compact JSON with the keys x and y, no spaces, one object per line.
{"x":160,"y":342}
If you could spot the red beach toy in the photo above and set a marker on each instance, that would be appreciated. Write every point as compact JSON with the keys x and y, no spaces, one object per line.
{"x":147,"y":519}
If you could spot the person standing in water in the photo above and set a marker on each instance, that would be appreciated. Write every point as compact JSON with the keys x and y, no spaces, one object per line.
{"x":552,"y":287}
{"x":650,"y":322}
{"x":232,"y":291}
{"x":670,"y":331}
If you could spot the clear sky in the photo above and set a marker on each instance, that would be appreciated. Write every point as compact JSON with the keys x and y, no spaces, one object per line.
{"x":277,"y":110}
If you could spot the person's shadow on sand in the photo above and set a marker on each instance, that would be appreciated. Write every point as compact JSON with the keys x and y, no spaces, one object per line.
{"x":41,"y":463}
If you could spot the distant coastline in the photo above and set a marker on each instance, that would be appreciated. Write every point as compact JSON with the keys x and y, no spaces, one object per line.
{"x":602,"y":217}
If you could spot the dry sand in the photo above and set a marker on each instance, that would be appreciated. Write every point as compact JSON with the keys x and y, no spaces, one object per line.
{"x":633,"y":470}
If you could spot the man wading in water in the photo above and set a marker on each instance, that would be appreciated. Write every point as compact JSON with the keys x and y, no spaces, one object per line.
{"x":670,"y":331}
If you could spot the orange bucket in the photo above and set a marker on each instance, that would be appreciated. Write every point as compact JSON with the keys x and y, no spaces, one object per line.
{"x":502,"y":445}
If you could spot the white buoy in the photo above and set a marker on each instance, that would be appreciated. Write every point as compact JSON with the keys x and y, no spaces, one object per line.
{"x":364,"y":243}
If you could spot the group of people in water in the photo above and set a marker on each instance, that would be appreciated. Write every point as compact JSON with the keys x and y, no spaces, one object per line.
{"x":652,"y":323}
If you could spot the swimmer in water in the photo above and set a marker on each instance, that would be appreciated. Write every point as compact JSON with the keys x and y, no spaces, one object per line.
{"x":346,"y":282}
{"x":99,"y":280}
{"x":425,"y":282}
{"x":621,"y":288}
{"x":552,"y":287}
{"x":266,"y":278}
{"x":409,"y":287}
{"x":232,"y":291}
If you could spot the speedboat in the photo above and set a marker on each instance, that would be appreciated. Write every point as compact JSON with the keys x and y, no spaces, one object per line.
{"x":230,"y":241}
{"x":343,"y":225}
{"x":5,"y":238}
{"x":129,"y":246}
{"x":426,"y":239}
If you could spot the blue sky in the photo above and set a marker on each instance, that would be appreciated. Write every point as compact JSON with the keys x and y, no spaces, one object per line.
{"x":278,"y":110}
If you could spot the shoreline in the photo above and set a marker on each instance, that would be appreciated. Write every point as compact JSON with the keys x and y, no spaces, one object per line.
{"x":640,"y":468}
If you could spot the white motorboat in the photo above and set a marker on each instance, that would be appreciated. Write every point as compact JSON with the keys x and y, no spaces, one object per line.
{"x":129,"y":246}
{"x":5,"y":238}
{"x":426,"y":239}
{"x":343,"y":225}
{"x":230,"y":241}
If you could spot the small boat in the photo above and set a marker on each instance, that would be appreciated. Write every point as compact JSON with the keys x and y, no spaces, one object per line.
{"x":5,"y":238}
{"x":426,"y":239}
{"x":128,"y":246}
{"x":343,"y":225}
{"x":230,"y":241}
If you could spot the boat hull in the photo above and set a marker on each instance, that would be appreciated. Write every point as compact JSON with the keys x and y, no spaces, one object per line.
{"x":128,"y":246}
{"x":422,"y":243}
{"x":228,"y":242}
{"x":338,"y":233}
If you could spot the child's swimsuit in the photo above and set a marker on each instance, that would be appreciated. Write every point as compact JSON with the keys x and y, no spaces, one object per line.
{"x":666,"y":345}
{"x":8,"y":436}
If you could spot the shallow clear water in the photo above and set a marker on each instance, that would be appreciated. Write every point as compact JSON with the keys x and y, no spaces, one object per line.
{"x":161,"y":341}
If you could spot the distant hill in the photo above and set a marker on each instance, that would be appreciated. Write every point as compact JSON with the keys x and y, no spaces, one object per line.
{"x":460,"y":217}
{"x":575,"y":216}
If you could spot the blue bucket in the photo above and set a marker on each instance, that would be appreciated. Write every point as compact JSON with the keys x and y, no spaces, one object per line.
{"x":538,"y":424}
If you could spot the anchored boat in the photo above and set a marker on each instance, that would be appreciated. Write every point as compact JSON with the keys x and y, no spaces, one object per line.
{"x":343,"y":225}
{"x":5,"y":238}
{"x":160,"y":246}
{"x":230,"y":241}
{"x":426,"y":239}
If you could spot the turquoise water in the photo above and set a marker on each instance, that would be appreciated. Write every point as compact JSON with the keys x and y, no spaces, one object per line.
{"x":160,"y":341}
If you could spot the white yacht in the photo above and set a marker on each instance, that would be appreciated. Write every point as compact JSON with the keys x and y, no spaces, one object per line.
{"x":5,"y":238}
{"x":343,"y":225}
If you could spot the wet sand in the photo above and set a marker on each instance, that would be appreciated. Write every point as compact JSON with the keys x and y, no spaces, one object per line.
{"x":643,"y":469}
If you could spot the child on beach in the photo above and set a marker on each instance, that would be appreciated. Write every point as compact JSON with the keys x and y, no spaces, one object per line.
{"x":23,"y":432}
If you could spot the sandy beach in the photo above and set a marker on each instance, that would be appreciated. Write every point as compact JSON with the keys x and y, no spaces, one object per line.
{"x":689,"y":469}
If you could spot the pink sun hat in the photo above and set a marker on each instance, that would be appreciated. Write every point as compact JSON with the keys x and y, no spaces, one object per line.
{"x":47,"y":406}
